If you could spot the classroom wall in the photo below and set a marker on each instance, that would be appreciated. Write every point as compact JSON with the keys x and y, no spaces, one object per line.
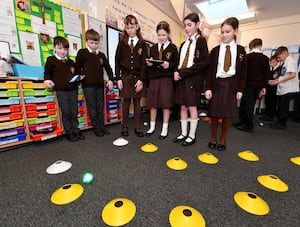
{"x":146,"y":9}
{"x":274,"y":33}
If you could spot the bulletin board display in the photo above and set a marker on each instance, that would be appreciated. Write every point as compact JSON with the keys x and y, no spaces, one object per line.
{"x":29,"y":27}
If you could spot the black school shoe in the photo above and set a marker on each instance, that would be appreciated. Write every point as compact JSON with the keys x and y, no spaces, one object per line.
{"x":98,"y":132}
{"x":72,"y":137}
{"x":221,"y":147}
{"x":138,"y":133}
{"x":80,"y":136}
{"x":105,"y":131}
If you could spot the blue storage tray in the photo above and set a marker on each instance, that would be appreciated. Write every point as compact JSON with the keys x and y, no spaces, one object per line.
{"x":31,"y":99}
{"x":10,"y":101}
{"x":13,"y":139}
{"x":28,"y":71}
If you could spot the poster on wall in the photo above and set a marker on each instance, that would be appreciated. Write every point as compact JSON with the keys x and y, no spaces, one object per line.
{"x":8,"y":29}
{"x":75,"y":45}
{"x":30,"y":48}
{"x":72,"y":22}
{"x":99,"y":27}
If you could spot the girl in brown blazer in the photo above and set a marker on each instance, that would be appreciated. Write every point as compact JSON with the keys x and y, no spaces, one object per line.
{"x":130,"y":71}
{"x":192,"y":68}
{"x":225,"y":81}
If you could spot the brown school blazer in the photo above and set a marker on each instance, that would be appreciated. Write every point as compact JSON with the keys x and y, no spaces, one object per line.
{"x":240,"y":73}
{"x":198,"y":70}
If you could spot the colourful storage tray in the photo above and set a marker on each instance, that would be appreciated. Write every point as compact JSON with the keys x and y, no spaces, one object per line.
{"x":13,"y":139}
{"x":40,"y":113}
{"x":10,"y":93}
{"x":32,"y":121}
{"x":10,"y":109}
{"x":32,"y":85}
{"x":42,"y":127}
{"x":27,"y":71}
{"x":81,"y":119}
{"x":80,"y":96}
{"x":80,"y":91}
{"x":11,"y":124}
{"x":80,"y":102}
{"x":9,"y":85}
{"x":44,"y":106}
{"x":80,"y":114}
{"x":81,"y":125}
{"x":43,"y":137}
{"x":81,"y":108}
{"x":11,"y":117}
{"x":10,"y":101}
{"x":45,"y":99}
{"x":31,"y":92}
{"x":12,"y":132}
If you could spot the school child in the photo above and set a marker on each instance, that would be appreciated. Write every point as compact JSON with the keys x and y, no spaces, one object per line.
{"x":59,"y":70}
{"x":130,"y":71}
{"x":287,"y":86}
{"x":257,"y":76}
{"x":270,"y":97}
{"x":192,"y":68}
{"x":160,"y":93}
{"x":91,"y":62}
{"x":225,"y":81}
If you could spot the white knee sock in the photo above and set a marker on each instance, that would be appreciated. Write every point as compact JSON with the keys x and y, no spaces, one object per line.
{"x":152,"y":127}
{"x":184,"y":125}
{"x":164,"y":130}
{"x":193,"y":128}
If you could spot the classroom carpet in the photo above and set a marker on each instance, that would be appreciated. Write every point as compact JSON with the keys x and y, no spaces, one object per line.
{"x":146,"y":180}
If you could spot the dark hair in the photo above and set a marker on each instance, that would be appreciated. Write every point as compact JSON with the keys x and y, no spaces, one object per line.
{"x":131,"y":19}
{"x":273,"y":57}
{"x":164,"y":26}
{"x":193,"y":17}
{"x":91,"y":34}
{"x":255,"y":43}
{"x":58,"y":40}
{"x":280,"y":50}
{"x":233,"y":22}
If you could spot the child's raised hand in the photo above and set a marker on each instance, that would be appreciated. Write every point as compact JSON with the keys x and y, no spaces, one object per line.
{"x":110,"y":85}
{"x":120,"y":84}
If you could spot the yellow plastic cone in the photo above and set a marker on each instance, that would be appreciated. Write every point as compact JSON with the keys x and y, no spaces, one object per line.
{"x":272,"y":182}
{"x":251,"y":203}
{"x":295,"y":160}
{"x":208,"y":158}
{"x":149,"y":147}
{"x":176,"y":163}
{"x":185,"y":216}
{"x":66,"y":194}
{"x":118,"y":212}
{"x":248,"y":156}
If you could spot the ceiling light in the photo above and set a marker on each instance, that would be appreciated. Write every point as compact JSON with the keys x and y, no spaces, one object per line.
{"x":239,"y":17}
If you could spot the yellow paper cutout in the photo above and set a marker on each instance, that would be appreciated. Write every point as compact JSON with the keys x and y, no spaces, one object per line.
{"x":60,"y":33}
{"x":35,"y":8}
{"x":22,"y":27}
{"x":47,"y":16}
{"x":50,"y":47}
{"x":20,"y":20}
{"x":57,"y":20}
{"x":44,"y":48}
{"x":56,"y":13}
{"x":60,"y":27}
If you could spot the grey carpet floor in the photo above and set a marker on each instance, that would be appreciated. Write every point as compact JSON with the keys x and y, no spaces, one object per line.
{"x":144,"y":178}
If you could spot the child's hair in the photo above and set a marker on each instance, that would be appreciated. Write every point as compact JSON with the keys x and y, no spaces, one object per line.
{"x":58,"y":40}
{"x":280,"y":50}
{"x":164,"y":26}
{"x":273,"y":57}
{"x":195,"y":18}
{"x":255,"y":43}
{"x":131,"y":19}
{"x":91,"y":34}
{"x":233,"y":22}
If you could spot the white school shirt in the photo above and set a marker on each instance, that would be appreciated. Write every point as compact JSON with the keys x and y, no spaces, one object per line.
{"x":89,"y":49}
{"x":191,"y":53}
{"x":292,"y":85}
{"x":233,"y":50}
{"x":135,"y":40}
{"x":165,"y":45}
{"x":59,"y":58}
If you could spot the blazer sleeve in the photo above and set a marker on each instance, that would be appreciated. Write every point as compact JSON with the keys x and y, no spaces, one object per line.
{"x":48,"y":71}
{"x":212,"y":70}
{"x":79,"y":62}
{"x":201,"y":59}
{"x":242,"y":67}
{"x":108,"y":68}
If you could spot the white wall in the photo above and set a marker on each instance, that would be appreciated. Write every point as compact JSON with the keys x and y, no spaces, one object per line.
{"x":276,"y":32}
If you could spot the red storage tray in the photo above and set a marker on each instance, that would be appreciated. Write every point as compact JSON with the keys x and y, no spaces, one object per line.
{"x":41,"y":113}
{"x":41,"y":137}
{"x":44,"y":106}
{"x":11,"y":117}
{"x":10,"y":109}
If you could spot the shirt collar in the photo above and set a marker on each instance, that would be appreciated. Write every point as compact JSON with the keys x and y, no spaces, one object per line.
{"x":194,"y":37}
{"x":165,"y":44}
{"x":89,"y":49}
{"x":135,"y":39}
{"x":59,"y":58}
{"x":231,"y":44}
{"x":255,"y":51}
